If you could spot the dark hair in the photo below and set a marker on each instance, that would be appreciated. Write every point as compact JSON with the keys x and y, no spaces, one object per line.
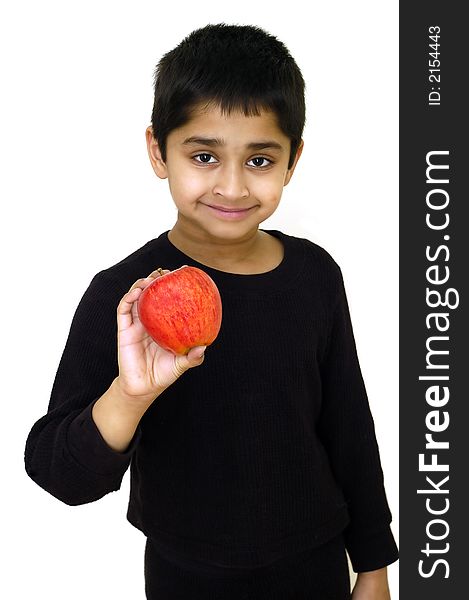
{"x":237,"y":67}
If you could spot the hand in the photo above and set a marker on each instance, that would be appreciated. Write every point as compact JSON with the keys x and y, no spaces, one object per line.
{"x":372,"y":585}
{"x":146,"y":369}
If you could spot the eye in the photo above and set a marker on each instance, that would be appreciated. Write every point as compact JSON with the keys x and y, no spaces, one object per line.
{"x":204,"y":158}
{"x":260,"y":162}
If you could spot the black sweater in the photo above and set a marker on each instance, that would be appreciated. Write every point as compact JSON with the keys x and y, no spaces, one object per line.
{"x":267,"y":448}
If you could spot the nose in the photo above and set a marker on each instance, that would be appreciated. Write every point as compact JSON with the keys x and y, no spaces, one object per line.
{"x":230,"y":183}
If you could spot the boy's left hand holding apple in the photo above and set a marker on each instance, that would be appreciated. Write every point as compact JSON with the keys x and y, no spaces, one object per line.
{"x":145,"y":371}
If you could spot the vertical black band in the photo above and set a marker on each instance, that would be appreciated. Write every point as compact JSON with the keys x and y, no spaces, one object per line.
{"x":434,"y":251}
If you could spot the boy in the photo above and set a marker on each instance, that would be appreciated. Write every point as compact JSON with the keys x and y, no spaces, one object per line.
{"x":253,"y":469}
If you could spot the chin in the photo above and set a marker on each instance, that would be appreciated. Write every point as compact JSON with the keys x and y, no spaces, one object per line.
{"x":232,"y":231}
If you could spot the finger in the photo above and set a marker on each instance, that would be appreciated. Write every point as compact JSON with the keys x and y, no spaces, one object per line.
{"x":140,"y":283}
{"x":125,"y":315}
{"x":124,"y":309}
{"x":154,"y":275}
{"x":193,"y":358}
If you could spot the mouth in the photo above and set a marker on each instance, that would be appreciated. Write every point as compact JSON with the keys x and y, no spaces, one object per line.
{"x":228,"y":213}
{"x":229,"y":210}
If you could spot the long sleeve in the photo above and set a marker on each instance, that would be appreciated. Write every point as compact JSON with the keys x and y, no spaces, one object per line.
{"x":347,"y":430}
{"x":65,"y":454}
{"x":265,"y":450}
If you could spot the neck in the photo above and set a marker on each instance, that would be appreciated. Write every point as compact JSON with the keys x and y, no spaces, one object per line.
{"x":213,"y":251}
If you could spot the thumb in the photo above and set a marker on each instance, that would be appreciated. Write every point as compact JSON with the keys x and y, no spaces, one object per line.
{"x":193,"y":358}
{"x":196,"y":355}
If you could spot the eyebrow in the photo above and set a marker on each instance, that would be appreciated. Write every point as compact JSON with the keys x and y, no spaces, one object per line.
{"x":261,"y":145}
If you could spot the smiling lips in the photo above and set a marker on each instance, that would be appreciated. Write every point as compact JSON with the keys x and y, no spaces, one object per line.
{"x":230,"y":214}
{"x":229,"y":210}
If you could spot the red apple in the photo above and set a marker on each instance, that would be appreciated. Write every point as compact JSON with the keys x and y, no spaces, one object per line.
{"x":181,"y":309}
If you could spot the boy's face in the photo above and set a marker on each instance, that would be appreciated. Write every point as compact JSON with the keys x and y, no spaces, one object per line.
{"x":226,"y":173}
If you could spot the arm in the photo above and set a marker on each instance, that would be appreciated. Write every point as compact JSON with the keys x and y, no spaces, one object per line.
{"x":347,"y":431}
{"x":107,"y":378}
{"x":65,"y":453}
{"x":372,"y":585}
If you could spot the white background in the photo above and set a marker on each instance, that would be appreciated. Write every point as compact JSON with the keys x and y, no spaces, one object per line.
{"x":78,"y":194}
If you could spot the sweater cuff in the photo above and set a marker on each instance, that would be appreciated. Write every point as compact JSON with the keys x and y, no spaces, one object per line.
{"x":89,"y":449}
{"x":371,"y":551}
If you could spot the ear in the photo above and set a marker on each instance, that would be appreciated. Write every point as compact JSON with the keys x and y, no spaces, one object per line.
{"x":154,"y":154}
{"x":289,"y":172}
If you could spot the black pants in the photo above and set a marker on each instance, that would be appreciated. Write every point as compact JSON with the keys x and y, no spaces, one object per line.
{"x":318,"y":574}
